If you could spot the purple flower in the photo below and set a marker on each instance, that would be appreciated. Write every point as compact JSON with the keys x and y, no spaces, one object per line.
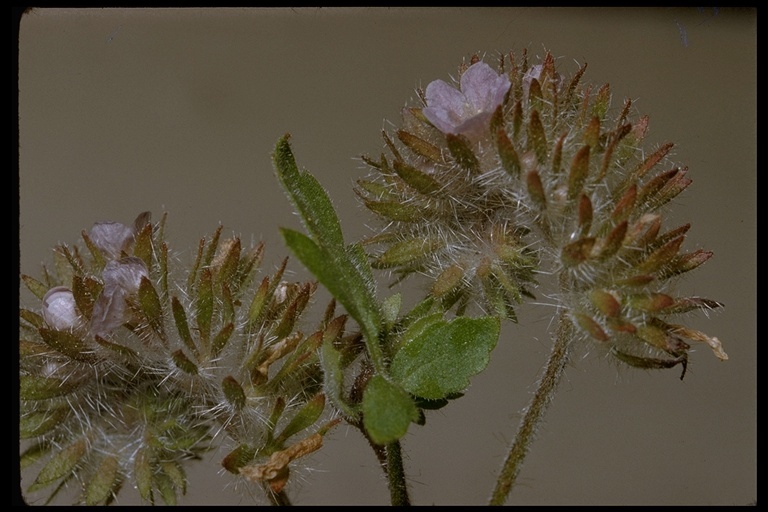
{"x":466,"y":111}
{"x":111,"y":237}
{"x":121,"y":278}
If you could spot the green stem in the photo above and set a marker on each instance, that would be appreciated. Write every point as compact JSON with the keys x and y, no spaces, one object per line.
{"x":398,"y":491}
{"x":535,"y":411}
{"x":390,"y":458}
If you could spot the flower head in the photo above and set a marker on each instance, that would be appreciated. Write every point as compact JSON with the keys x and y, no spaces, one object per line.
{"x":552,"y":183}
{"x":133,"y":366}
{"x":466,"y":111}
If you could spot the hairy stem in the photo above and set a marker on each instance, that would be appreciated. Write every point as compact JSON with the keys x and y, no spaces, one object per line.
{"x":279,"y":499}
{"x":535,"y":411}
{"x":398,"y":491}
{"x":391,"y":460}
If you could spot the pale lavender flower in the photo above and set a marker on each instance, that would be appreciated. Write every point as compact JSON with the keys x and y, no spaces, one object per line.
{"x":121,"y":279}
{"x":111,"y":237}
{"x":466,"y":111}
{"x":59,"y":308}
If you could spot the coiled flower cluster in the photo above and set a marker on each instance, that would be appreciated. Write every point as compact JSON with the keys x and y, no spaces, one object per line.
{"x":130,"y":368}
{"x":519,"y":171}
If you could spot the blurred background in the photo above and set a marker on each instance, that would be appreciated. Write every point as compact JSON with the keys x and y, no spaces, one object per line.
{"x":177,"y":110}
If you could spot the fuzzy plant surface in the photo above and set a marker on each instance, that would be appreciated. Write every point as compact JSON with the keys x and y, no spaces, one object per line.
{"x":512,"y":174}
{"x":511,"y":183}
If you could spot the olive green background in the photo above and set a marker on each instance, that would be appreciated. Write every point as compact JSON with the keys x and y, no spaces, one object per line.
{"x":177,"y":110}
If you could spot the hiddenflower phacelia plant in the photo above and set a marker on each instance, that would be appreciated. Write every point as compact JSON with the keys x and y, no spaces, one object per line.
{"x":518,"y":173}
{"x":516,"y":180}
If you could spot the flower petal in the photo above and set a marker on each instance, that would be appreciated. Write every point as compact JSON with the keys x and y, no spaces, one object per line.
{"x":111,"y":237}
{"x":121,"y":278}
{"x":446,"y":106}
{"x":125,"y":273}
{"x":483,"y":87}
{"x":109,"y":310}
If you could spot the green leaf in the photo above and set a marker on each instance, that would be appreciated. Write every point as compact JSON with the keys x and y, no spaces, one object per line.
{"x":442,"y":356}
{"x":419,"y":181}
{"x":211,"y":250}
{"x":204,"y":314}
{"x":387,"y":411}
{"x":228,"y":267}
{"x":308,"y":196}
{"x":151,"y":307}
{"x":433,"y":405}
{"x":35,"y":286}
{"x":166,"y":487}
{"x":101,"y":487}
{"x":142,"y":472}
{"x":238,"y":458}
{"x":41,"y":388}
{"x":461,"y":150}
{"x":342,"y":279}
{"x":184,"y":363}
{"x":40,"y":422}
{"x":420,"y":146}
{"x":60,"y":464}
{"x":578,"y":173}
{"x":142,"y":246}
{"x":233,"y":392}
{"x":33,"y":318}
{"x":182,"y":326}
{"x":163,"y":265}
{"x":221,"y":339}
{"x":176,"y":473}
{"x":415,"y":326}
{"x":343,"y":270}
{"x":333,"y":379}
{"x":409,"y":251}
{"x":34,"y":453}
{"x":305,"y":418}
{"x":259,"y":303}
{"x":85,"y":291}
{"x":537,"y":138}
{"x":68,"y":344}
{"x":117,"y":348}
{"x":507,"y":154}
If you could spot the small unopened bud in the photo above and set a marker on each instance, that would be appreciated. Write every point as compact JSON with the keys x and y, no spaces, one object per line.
{"x":281,"y":292}
{"x":540,"y":73}
{"x":59,"y":309}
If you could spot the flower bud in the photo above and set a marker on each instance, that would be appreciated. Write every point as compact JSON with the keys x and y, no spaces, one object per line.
{"x":59,"y":309}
